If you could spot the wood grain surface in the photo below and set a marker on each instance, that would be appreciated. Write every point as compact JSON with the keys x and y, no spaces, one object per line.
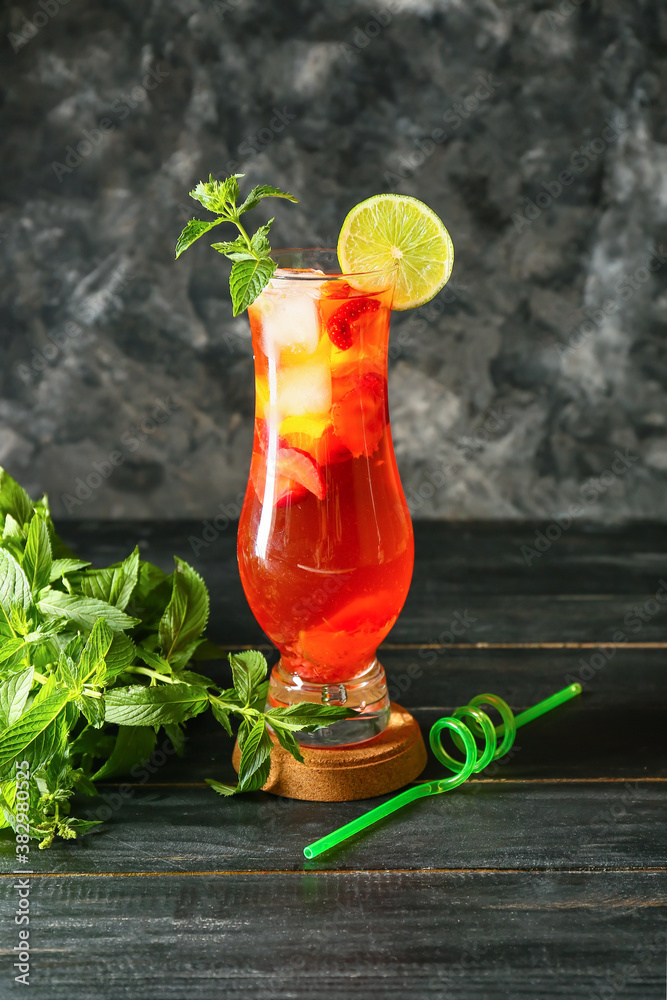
{"x":544,"y":878}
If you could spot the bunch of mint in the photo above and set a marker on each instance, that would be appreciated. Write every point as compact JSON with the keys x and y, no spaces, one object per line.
{"x":253,"y":267}
{"x":94,"y":662}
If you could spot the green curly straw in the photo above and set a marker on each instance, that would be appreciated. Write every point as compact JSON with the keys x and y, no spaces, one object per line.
{"x":476,"y":759}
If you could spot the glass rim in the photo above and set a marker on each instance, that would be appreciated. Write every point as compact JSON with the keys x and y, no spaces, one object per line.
{"x":390,"y":270}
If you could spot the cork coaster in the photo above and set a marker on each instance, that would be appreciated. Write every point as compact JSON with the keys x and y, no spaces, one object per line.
{"x":387,"y":762}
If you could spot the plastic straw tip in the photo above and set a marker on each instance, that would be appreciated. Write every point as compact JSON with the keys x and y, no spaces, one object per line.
{"x":308,"y":852}
{"x":575,"y":688}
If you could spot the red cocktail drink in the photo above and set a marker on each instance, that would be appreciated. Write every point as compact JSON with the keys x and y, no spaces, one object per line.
{"x":325,"y":540}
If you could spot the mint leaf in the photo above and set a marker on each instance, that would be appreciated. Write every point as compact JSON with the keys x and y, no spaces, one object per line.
{"x":186,"y":614}
{"x":92,"y":743}
{"x":66,"y":673}
{"x":13,"y":499}
{"x":82,"y":825}
{"x":12,"y":528}
{"x":151,"y":596}
{"x":9,"y":646}
{"x":84,"y":611}
{"x":217,"y":196}
{"x":244,"y":732}
{"x":37,"y":557}
{"x":259,"y":241}
{"x":13,"y":696}
{"x":91,"y":667}
{"x":35,"y":736}
{"x":183,"y":656}
{"x":255,"y":758}
{"x":154,"y":706}
{"x":14,"y":586}
{"x":150,"y":577}
{"x":238,"y":255}
{"x":263,"y":191}
{"x":49,"y":688}
{"x":306,"y":716}
{"x":190,"y":677}
{"x":119,"y":656}
{"x":194,"y":229}
{"x":82,"y":783}
{"x":286,"y":740}
{"x":154,"y":660}
{"x":247,"y":280}
{"x":235,"y":249}
{"x":259,"y":696}
{"x":221,"y":713}
{"x":19,"y":620}
{"x":113,"y":585}
{"x":60,"y":567}
{"x":93,"y":710}
{"x":221,"y":789}
{"x":134,"y":745}
{"x":248,"y":671}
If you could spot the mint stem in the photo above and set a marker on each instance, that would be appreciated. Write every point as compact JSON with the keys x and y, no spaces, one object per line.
{"x":165,"y":678}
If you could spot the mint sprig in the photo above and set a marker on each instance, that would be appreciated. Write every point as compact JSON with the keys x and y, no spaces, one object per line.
{"x":252,"y":265}
{"x":94,"y":663}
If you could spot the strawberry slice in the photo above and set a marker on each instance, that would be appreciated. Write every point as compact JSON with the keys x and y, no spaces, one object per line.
{"x":296,"y":474}
{"x":359,"y":417}
{"x":302,"y":469}
{"x":340,"y":324}
{"x":336,"y":289}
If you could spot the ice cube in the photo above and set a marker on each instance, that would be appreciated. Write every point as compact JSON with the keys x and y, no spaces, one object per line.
{"x":289,"y":320}
{"x":292,"y":279}
{"x":304,"y":388}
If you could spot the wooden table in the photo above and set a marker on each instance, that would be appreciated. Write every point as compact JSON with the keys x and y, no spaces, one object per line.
{"x":543,"y":878}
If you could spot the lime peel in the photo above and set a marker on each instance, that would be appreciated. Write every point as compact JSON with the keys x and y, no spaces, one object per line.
{"x":391,"y":231}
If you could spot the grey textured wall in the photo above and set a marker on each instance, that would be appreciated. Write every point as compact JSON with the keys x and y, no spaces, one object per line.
{"x":537,"y":131}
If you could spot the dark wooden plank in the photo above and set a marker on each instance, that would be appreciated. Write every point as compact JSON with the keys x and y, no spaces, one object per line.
{"x":425,"y":935}
{"x":486,"y":558}
{"x":531,"y":618}
{"x":474,"y":571}
{"x":494,"y":825}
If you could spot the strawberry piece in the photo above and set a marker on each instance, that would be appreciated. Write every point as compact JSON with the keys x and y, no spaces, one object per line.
{"x":285,"y":491}
{"x":340,"y":324}
{"x":302,"y":469}
{"x":359,"y":417}
{"x":336,"y":289}
{"x":330,"y":449}
{"x":296,"y":474}
{"x":291,"y":493}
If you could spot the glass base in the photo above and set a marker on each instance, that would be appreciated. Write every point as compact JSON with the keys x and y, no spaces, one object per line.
{"x":366,"y":694}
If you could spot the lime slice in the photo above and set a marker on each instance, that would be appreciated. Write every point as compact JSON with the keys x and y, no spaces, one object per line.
{"x":394,"y":227}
